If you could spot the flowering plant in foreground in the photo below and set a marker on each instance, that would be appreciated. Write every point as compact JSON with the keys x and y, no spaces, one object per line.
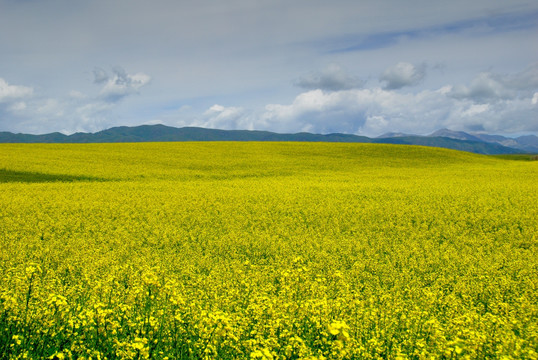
{"x":266,"y":251}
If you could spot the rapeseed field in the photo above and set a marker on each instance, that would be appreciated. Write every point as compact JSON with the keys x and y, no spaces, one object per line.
{"x":266,"y":251}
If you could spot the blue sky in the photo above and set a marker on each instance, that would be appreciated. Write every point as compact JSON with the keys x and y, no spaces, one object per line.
{"x":361,"y":67}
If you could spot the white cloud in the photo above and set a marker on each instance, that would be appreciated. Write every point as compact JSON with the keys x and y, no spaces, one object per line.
{"x":51,"y":108}
{"x":333,"y":78}
{"x":526,"y":80}
{"x":320,"y":111}
{"x":75,"y":94}
{"x":99,"y":76}
{"x":221,"y":117}
{"x":402,"y":74}
{"x":17,"y":107}
{"x":13,"y":92}
{"x":325,"y":112}
{"x":489,"y":86}
{"x":475,"y":109}
{"x":376,"y":124}
{"x":25,"y":111}
{"x":375,"y":111}
{"x":484,"y":87}
{"x":89,"y":116}
{"x":490,"y":102}
{"x":121,"y":84}
{"x":219,"y":114}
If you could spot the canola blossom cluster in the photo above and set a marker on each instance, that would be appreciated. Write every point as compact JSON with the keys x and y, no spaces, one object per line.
{"x":266,"y":251}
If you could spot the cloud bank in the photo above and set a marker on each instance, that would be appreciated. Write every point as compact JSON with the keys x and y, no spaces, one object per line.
{"x":402,"y":74}
{"x":10,"y":93}
{"x":490,"y":102}
{"x":333,"y":78}
{"x":120,"y":84}
{"x":489,"y":86}
{"x":25,"y":110}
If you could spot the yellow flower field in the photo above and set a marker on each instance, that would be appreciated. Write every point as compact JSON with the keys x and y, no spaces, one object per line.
{"x":266,"y":251}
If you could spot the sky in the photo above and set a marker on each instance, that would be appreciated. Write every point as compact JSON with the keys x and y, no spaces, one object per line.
{"x":360,"y":67}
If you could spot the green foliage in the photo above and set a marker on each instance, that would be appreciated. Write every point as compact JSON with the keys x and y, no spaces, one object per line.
{"x":524,"y":157}
{"x":35,"y":177}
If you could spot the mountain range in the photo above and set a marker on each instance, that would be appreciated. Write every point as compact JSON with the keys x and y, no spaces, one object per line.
{"x":477,"y":143}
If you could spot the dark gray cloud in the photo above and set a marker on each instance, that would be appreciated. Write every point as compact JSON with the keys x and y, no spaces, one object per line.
{"x":99,"y":76}
{"x":482,"y":88}
{"x":333,"y":78}
{"x":121,"y":84}
{"x":489,"y":86}
{"x":526,"y":80}
{"x":402,"y":74}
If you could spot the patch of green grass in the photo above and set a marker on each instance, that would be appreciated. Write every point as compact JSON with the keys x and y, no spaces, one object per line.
{"x":11,"y":176}
{"x":524,"y":157}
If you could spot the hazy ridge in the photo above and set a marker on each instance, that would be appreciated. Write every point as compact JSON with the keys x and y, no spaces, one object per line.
{"x":476,"y":143}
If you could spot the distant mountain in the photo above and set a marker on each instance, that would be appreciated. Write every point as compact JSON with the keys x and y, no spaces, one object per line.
{"x":157,"y":133}
{"x":459,"y":135}
{"x":478,"y":147}
{"x":527,"y":143}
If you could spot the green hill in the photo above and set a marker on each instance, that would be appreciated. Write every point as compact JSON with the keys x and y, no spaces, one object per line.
{"x":162,"y":133}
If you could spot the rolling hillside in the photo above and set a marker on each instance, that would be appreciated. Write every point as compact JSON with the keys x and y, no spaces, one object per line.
{"x":289,"y":249}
